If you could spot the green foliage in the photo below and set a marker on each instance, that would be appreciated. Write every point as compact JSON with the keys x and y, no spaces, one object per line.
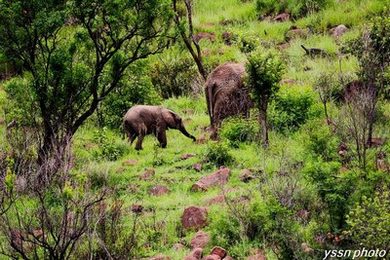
{"x":218,"y":153}
{"x":238,"y":130}
{"x":291,"y":108}
{"x":174,"y":75}
{"x":135,"y":88}
{"x":20,"y":102}
{"x":334,"y":189}
{"x":319,"y":140}
{"x":264,"y":70}
{"x":108,"y":148}
{"x":369,"y":221}
{"x":296,"y":8}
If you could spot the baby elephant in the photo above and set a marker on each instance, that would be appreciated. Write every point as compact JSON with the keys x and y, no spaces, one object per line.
{"x":143,"y":120}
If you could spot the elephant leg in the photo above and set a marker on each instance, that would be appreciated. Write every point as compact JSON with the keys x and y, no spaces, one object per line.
{"x":141,"y":135}
{"x":162,"y":137}
{"x":138,"y":145}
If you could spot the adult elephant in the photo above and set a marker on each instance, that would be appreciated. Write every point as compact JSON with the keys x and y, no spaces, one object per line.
{"x":226,"y":94}
{"x":141,"y":120}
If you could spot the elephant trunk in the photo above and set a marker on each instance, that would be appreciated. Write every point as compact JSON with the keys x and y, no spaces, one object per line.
{"x":184,"y":132}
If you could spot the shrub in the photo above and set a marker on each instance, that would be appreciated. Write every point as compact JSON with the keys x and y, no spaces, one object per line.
{"x":369,"y":221}
{"x":297,"y":8}
{"x":135,"y":88}
{"x":109,"y":148}
{"x":291,"y":108}
{"x":174,"y":76}
{"x":238,"y":130}
{"x":218,"y":154}
{"x":320,"y":141}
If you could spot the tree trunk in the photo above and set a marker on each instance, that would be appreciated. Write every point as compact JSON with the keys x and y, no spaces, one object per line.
{"x":264,"y":126}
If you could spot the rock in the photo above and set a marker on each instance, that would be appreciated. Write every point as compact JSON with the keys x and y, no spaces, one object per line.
{"x":338,"y":30}
{"x":212,"y":257}
{"x":381,"y":163}
{"x":197,"y":167}
{"x":228,"y":258}
{"x":196,"y":254}
{"x":148,"y":174}
{"x":201,"y":139}
{"x":377,"y":141}
{"x":219,"y":177}
{"x":194,"y":218}
{"x":283,"y":46}
{"x":305,"y":248}
{"x":296,"y":33}
{"x":216,"y":200}
{"x":288,"y":81}
{"x":130,"y":162}
{"x":219,"y":251}
{"x":187,"y":156}
{"x":178,"y":247}
{"x":282,"y":17}
{"x":158,"y":190}
{"x":257,"y":255}
{"x":204,"y":35}
{"x":200,"y":240}
{"x":137,"y":208}
{"x":303,"y":214}
{"x":227,"y":38}
{"x":246,"y":175}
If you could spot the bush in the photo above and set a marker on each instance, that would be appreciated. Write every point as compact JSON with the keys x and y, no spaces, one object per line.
{"x":174,"y":76}
{"x":109,"y":148}
{"x":135,"y":88}
{"x":291,"y":108}
{"x":19,"y":99}
{"x":320,"y":141}
{"x":238,"y":130}
{"x":297,"y":8}
{"x":369,"y":221}
{"x":218,"y":154}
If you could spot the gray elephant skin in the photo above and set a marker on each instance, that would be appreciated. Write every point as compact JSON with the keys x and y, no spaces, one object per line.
{"x":226,"y":94}
{"x":141,"y":120}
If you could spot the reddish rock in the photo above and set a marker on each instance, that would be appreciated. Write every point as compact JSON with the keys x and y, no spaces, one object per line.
{"x":228,"y":258}
{"x":296,"y":33}
{"x":204,"y":35}
{"x":219,"y":177}
{"x":178,"y":247}
{"x":246,"y":175}
{"x":196,"y":254}
{"x":137,"y":208}
{"x":227,"y":38}
{"x":288,"y":81}
{"x":159,"y":190}
{"x":194,"y":218}
{"x":282,"y":17}
{"x":200,"y":240}
{"x":257,"y":255}
{"x":376,"y":142}
{"x":130,"y":162}
{"x":338,"y":30}
{"x":148,"y":174}
{"x":197,"y":167}
{"x":219,"y":251}
{"x":306,"y":248}
{"x":216,"y":200}
{"x":381,"y":163}
{"x":283,"y":46}
{"x":187,"y":156}
{"x":201,"y":139}
{"x":303,"y":214}
{"x":37,"y":233}
{"x":212,"y":257}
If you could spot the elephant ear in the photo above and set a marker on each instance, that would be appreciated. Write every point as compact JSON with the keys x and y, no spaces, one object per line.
{"x":171,"y":119}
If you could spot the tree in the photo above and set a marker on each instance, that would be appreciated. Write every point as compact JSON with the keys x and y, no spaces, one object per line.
{"x":373,"y":52}
{"x":264,"y":74}
{"x":187,"y":34}
{"x":324,"y":85}
{"x":77,"y":52}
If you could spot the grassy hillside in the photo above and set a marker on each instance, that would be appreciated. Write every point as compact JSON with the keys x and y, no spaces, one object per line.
{"x":300,"y":172}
